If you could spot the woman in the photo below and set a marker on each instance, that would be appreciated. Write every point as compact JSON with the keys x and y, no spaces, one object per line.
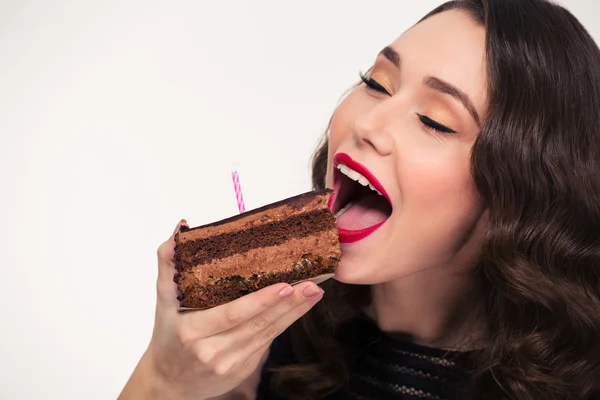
{"x":476,"y":273}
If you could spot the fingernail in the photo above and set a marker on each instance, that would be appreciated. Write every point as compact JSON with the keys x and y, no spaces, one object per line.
{"x":181,"y":223}
{"x":285,"y":292}
{"x":311,"y":291}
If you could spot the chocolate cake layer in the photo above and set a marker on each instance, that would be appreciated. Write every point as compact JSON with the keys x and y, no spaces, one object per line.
{"x":273,"y":212}
{"x":272,"y":233}
{"x":268,"y":258}
{"x":287,"y":241}
{"x":232,"y":287}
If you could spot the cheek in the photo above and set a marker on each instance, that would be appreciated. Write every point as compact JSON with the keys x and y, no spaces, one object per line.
{"x":339,"y":132}
{"x":435,"y":178}
{"x":341,"y":122}
{"x":439,"y":198}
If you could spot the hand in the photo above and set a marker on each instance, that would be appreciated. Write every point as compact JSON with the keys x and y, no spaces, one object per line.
{"x":202,"y":354}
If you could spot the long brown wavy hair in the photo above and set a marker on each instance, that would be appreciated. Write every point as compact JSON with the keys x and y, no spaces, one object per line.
{"x":536,"y":164}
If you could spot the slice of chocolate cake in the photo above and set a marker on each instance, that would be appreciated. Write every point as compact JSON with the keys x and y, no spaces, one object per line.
{"x":288,"y":241}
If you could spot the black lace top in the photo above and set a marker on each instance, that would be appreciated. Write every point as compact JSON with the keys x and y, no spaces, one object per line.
{"x":387,"y":368}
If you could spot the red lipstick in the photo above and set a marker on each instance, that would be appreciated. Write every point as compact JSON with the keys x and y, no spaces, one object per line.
{"x":348,"y":235}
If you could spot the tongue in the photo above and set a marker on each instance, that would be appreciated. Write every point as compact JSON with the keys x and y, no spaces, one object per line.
{"x":369,"y":210}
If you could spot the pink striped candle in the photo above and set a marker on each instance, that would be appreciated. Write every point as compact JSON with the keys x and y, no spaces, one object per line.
{"x":238,"y":191}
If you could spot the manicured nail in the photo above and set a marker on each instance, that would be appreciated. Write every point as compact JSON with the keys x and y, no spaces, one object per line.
{"x":181,"y":223}
{"x":311,"y":291}
{"x":285,"y":292}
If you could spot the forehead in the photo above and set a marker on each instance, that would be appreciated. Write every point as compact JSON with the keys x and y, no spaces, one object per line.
{"x":449,"y":46}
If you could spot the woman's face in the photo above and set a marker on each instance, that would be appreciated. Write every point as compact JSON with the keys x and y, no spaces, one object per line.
{"x":410,"y":135}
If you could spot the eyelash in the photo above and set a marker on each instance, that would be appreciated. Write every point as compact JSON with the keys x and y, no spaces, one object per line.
{"x":436,"y":126}
{"x":425,"y":120}
{"x":373,"y":84}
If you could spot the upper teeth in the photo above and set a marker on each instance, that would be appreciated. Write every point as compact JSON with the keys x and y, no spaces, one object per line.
{"x":355,"y":176}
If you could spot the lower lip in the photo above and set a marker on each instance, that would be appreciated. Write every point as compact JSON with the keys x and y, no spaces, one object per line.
{"x":352,"y":236}
{"x":349,"y":236}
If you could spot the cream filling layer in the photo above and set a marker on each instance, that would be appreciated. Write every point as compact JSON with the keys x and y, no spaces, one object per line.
{"x":280,"y":258}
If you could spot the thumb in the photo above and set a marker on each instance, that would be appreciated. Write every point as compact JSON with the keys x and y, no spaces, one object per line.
{"x":166,"y":287}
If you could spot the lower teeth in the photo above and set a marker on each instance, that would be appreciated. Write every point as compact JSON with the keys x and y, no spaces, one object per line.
{"x":343,"y":210}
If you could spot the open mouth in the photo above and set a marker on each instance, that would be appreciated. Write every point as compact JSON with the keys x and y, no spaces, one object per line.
{"x":360,"y":203}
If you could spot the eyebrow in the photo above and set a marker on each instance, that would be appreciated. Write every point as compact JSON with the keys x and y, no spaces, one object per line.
{"x":436,"y":84}
{"x":392,"y":55}
{"x":447,"y":88}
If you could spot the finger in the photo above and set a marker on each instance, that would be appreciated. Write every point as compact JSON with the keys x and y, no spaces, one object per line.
{"x":166,"y":287}
{"x":261,"y":330}
{"x":224,"y":317}
{"x":251,"y":367}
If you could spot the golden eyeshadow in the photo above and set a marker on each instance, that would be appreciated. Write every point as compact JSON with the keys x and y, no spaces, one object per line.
{"x":383,"y":80}
{"x":441,"y":117}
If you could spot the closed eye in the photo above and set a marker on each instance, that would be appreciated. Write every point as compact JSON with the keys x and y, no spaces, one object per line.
{"x":425,"y":120}
{"x":436,"y":126}
{"x":373,"y":84}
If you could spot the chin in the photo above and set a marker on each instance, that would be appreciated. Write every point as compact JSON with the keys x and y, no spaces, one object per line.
{"x":354,"y":273}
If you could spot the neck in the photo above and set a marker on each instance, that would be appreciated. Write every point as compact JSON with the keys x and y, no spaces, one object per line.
{"x":434,"y":308}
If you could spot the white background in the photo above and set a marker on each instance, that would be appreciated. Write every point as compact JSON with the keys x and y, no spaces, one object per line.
{"x":118,"y":118}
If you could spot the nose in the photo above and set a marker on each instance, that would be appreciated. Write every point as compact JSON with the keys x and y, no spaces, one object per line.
{"x":372,"y":130}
